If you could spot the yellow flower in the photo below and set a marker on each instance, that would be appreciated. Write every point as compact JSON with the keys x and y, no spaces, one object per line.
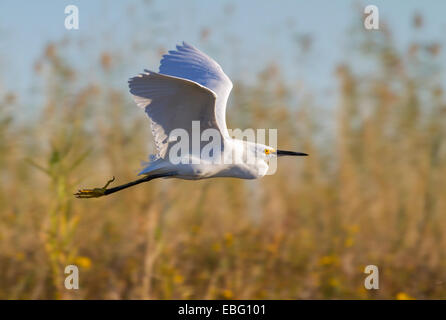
{"x":333,"y":282}
{"x":178,"y":279}
{"x":272,"y":248}
{"x":403,"y":296}
{"x":328,"y":260}
{"x":348,"y":242}
{"x":83,"y":262}
{"x":216,"y":247}
{"x":354,"y":228}
{"x":227,"y":294}
{"x":229,"y":239}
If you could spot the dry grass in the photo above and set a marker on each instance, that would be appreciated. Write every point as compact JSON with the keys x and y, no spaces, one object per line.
{"x":372,"y":192}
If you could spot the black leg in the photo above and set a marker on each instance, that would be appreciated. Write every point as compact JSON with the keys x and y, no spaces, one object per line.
{"x":99,"y":192}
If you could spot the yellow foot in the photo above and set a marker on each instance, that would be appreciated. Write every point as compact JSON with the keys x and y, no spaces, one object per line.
{"x":93,"y":193}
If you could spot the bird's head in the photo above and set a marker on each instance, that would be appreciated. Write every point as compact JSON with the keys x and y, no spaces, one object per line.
{"x":266,"y":156}
{"x":266,"y":152}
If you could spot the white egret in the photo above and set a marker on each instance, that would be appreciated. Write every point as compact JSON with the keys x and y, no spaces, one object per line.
{"x":190,"y":86}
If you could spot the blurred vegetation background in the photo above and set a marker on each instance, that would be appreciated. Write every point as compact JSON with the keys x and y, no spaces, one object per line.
{"x":371,"y":192}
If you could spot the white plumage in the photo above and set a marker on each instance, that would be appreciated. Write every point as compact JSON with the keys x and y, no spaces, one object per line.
{"x":190,"y":87}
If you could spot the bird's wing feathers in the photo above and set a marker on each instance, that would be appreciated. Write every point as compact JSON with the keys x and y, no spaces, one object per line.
{"x":190,"y":63}
{"x":171,"y":103}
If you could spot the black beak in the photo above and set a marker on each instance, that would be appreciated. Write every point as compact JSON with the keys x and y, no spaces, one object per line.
{"x":290,"y":153}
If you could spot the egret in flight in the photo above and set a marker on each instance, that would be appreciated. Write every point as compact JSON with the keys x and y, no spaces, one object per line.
{"x":190,"y":86}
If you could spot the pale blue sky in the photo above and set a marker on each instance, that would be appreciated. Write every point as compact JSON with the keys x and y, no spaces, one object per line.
{"x":255,"y":34}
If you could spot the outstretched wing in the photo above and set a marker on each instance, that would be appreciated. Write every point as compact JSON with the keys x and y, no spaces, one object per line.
{"x":172,"y":103}
{"x":190,"y":63}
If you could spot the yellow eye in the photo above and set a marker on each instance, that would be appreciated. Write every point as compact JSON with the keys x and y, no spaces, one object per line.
{"x":267,"y":151}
